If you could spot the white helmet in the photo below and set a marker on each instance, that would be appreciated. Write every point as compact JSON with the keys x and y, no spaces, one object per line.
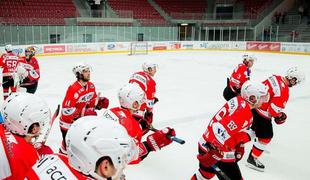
{"x":92,"y":137}
{"x":8,"y":48}
{"x":147,"y":65}
{"x":21,"y":110}
{"x":130,"y":93}
{"x":294,"y":73}
{"x":254,"y":92}
{"x":79,"y":68}
{"x":249,"y":57}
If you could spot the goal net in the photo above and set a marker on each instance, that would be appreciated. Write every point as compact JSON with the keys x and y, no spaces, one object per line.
{"x":138,"y":47}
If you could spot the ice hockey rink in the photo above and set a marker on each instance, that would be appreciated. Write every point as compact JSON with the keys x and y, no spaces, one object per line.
{"x":189,"y":88}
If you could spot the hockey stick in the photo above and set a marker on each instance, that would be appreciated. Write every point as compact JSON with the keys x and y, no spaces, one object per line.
{"x":50,"y":125}
{"x":220,"y":173}
{"x":173,"y":138}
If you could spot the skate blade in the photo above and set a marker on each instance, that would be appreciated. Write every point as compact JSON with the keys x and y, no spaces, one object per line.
{"x":254,"y":167}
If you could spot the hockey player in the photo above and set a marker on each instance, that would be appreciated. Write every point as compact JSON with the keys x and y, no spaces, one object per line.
{"x":98,"y":148}
{"x":24,"y":116}
{"x":238,"y":77}
{"x":131,"y":97}
{"x":80,"y":100}
{"x":145,"y":80}
{"x":8,"y":61}
{"x":27,"y":71}
{"x":273,"y":109}
{"x":227,"y":133}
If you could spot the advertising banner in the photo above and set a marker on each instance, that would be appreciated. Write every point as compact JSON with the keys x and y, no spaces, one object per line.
{"x":83,"y":48}
{"x":159,"y":46}
{"x":47,"y":49}
{"x":295,"y":47}
{"x":263,"y":46}
{"x":174,"y":45}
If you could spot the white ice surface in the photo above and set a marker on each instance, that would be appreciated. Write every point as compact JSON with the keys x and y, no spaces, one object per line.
{"x":189,"y":88}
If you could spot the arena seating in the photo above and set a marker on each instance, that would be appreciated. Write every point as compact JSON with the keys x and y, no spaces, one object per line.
{"x":180,"y":9}
{"x":34,"y":12}
{"x":253,"y":8}
{"x":141,"y":10}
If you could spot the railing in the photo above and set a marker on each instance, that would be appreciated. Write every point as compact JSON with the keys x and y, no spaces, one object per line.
{"x":15,"y":34}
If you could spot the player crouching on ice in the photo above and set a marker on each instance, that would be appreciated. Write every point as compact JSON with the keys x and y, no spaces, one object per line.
{"x":131,"y":97}
{"x":81,"y":100}
{"x":24,"y":116}
{"x":97,"y":148}
{"x":222,"y":144}
{"x":239,"y":76}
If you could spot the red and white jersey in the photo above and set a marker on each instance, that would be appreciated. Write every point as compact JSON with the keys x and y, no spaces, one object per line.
{"x":134,"y":130}
{"x":240,"y":74}
{"x":148,"y":85}
{"x":228,"y":127}
{"x":278,"y":97}
{"x":32,"y":66}
{"x":5,"y":169}
{"x":54,"y":166}
{"x":124,"y":117}
{"x":77,"y":99}
{"x":20,"y":154}
{"x":8,"y":61}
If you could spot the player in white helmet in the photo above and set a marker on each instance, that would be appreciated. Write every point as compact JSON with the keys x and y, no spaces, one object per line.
{"x":98,"y":148}
{"x":81,"y":100}
{"x":279,"y":87}
{"x":145,"y":80}
{"x":131,"y":97}
{"x":8,"y":63}
{"x":222,"y":144}
{"x":28,"y":71}
{"x":240,"y":75}
{"x":24,"y":116}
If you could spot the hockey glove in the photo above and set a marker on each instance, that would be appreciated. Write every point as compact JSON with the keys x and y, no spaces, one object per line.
{"x":210,"y":158}
{"x":281,"y":118}
{"x":239,"y":151}
{"x":103,"y":102}
{"x":160,"y":139}
{"x":90,"y":112}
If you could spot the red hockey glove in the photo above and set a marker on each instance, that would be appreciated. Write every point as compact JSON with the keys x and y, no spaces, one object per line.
{"x":239,"y":151}
{"x":103,"y":102}
{"x":210,"y":158}
{"x":159,"y":139}
{"x":280,"y":119}
{"x":42,"y":149}
{"x":90,"y":112}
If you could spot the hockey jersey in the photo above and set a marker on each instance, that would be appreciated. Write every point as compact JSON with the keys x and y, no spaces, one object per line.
{"x":228,"y":127}
{"x":17,"y":156}
{"x":8,"y":61}
{"x":134,"y":129}
{"x":148,"y":85}
{"x":77,"y":99}
{"x":240,"y":74}
{"x":54,"y":166}
{"x":32,"y":66}
{"x":278,"y":97}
